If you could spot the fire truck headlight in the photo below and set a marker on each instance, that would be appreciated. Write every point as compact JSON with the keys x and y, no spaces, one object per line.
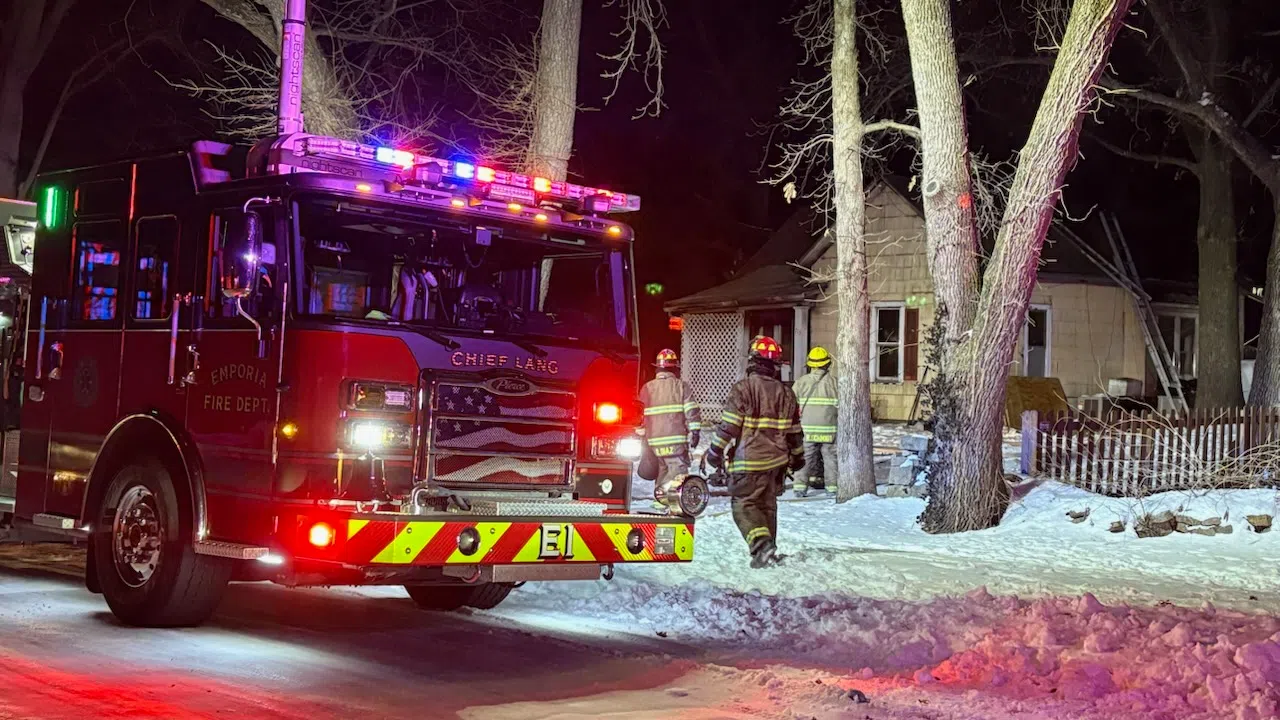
{"x":375,"y":435}
{"x":629,"y":448}
{"x":369,"y":435}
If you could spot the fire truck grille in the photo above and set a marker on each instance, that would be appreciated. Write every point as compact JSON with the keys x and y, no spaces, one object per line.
{"x":498,"y":470}
{"x":504,"y":433}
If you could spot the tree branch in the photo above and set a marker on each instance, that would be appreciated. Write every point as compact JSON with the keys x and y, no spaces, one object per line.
{"x":1263,"y":103}
{"x":891,"y":126}
{"x":1151,"y":158}
{"x":1179,"y":45}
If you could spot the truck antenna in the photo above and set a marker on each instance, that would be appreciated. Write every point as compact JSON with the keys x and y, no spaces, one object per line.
{"x":292,"y":39}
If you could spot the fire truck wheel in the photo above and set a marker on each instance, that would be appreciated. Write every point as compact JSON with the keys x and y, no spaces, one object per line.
{"x":452,"y":597}
{"x":148,"y":570}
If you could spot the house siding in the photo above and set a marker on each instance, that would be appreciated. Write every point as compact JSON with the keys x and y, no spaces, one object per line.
{"x":1094,"y":332}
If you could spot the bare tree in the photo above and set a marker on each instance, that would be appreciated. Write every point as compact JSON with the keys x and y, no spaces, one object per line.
{"x":824,"y":161}
{"x":528,"y":88}
{"x":966,"y":485}
{"x":1209,"y":110}
{"x":362,"y":74}
{"x":1190,"y":150}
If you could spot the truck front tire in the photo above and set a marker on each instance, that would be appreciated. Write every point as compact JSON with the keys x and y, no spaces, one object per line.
{"x":144,"y":559}
{"x":452,"y":597}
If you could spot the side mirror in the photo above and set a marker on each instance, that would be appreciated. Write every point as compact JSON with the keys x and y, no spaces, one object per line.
{"x":242,"y":256}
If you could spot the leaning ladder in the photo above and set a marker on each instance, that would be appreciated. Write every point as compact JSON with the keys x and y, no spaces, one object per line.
{"x":1166,"y":368}
{"x":1125,"y":274}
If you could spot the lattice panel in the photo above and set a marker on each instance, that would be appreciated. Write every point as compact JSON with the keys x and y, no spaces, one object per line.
{"x":711,"y":351}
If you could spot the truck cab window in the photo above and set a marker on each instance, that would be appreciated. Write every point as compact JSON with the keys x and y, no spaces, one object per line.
{"x":264,"y":304}
{"x":375,"y":263}
{"x":98,"y":247}
{"x":155,"y":267}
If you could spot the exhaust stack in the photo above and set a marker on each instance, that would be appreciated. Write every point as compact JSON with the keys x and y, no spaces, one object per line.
{"x":292,"y":38}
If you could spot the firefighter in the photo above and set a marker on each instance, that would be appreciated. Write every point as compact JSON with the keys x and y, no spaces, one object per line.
{"x":816,"y":392}
{"x":671,"y":419}
{"x":763,"y":417}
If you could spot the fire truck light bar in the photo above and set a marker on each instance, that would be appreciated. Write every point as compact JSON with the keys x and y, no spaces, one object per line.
{"x":498,"y":183}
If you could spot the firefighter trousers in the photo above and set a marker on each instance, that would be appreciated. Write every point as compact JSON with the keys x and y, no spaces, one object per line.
{"x":820,"y":470}
{"x":754,"y":501}
{"x":673,"y":466}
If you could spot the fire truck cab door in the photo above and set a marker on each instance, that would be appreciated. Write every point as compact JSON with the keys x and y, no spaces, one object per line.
{"x":231,"y":407}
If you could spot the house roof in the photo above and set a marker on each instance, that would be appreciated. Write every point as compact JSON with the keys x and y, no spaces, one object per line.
{"x":775,"y":274}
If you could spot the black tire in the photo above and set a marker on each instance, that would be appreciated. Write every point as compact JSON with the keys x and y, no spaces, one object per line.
{"x":175,"y":588}
{"x":452,"y":597}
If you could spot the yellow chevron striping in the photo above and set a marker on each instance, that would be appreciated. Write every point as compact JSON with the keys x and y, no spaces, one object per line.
{"x":409,"y":542}
{"x":355,"y":526}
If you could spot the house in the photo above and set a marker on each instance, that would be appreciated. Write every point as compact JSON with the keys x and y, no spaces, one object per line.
{"x":1082,"y":327}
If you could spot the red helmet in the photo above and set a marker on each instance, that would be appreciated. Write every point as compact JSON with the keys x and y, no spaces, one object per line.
{"x":766,"y":347}
{"x":667,"y":358}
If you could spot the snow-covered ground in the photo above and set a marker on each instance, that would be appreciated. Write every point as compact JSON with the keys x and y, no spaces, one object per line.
{"x":1039,"y":617}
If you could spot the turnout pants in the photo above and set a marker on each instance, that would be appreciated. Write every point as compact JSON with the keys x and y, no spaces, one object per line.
{"x":820,"y":469}
{"x":754,"y":503}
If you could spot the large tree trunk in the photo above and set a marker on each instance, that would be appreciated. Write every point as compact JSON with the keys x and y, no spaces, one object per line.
{"x":950,"y":232}
{"x":1265,"y":390}
{"x":555,"y":97}
{"x":10,"y":135}
{"x":966,"y":484}
{"x":1218,"y":377}
{"x":854,"y":452}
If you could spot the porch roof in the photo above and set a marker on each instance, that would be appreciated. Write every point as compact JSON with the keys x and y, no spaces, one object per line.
{"x":766,"y":285}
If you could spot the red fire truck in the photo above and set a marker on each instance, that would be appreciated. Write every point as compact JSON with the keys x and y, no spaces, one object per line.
{"x":318,"y":362}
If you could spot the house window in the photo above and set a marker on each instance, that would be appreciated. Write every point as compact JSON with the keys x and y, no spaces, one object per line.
{"x":1181,"y":337}
{"x":1035,"y":342}
{"x":888,"y":331}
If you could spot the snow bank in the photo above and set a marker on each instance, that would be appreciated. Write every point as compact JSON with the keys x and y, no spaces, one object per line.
{"x":863,"y":593}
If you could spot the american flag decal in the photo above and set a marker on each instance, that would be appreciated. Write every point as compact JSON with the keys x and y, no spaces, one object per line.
{"x":479,"y":437}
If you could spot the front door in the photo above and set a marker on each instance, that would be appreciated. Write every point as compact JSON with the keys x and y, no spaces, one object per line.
{"x":157,"y":318}
{"x":1035,"y":342}
{"x":231,"y":406}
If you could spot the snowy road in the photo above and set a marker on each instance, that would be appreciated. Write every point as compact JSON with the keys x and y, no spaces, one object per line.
{"x":1002,"y":623}
{"x":276,"y":653}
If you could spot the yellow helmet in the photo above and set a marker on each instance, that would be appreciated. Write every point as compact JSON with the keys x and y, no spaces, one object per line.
{"x":819,"y":358}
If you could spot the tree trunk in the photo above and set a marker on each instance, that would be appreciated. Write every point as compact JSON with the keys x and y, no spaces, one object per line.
{"x":854,"y":452}
{"x":1265,"y":390}
{"x":950,"y":232}
{"x":10,"y":134}
{"x":555,"y":97}
{"x":1218,"y":374}
{"x":22,"y":40}
{"x":966,"y":484}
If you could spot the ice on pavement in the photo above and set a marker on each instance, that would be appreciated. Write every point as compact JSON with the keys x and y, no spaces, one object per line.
{"x":1051,"y":618}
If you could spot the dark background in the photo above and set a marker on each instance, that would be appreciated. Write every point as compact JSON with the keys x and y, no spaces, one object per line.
{"x":699,"y":165}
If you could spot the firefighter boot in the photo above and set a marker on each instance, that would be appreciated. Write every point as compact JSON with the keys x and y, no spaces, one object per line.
{"x":799,"y":488}
{"x":763,"y":552}
{"x":817,"y":483}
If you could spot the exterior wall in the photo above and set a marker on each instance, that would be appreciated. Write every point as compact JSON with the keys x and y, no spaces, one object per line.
{"x":1094,"y":336}
{"x":1094,"y":332}
{"x":897,"y":270}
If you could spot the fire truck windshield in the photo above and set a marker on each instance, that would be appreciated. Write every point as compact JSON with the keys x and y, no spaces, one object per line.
{"x":367,"y":261}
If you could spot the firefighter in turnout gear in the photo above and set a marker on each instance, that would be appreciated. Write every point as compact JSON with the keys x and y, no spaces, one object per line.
{"x":762,"y":418}
{"x":816,"y":392}
{"x":671,"y":419}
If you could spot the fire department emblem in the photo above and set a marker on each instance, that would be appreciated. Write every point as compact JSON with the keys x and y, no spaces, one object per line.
{"x":85,"y":382}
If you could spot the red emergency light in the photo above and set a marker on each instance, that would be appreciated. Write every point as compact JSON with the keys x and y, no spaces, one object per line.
{"x":675,"y":323}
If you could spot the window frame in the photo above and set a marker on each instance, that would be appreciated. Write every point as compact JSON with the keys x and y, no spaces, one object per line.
{"x":875,"y":343}
{"x":1048,"y":340}
{"x":74,"y":317}
{"x":133,"y":268}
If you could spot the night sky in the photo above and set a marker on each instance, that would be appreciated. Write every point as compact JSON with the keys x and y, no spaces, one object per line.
{"x":697,"y":166}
